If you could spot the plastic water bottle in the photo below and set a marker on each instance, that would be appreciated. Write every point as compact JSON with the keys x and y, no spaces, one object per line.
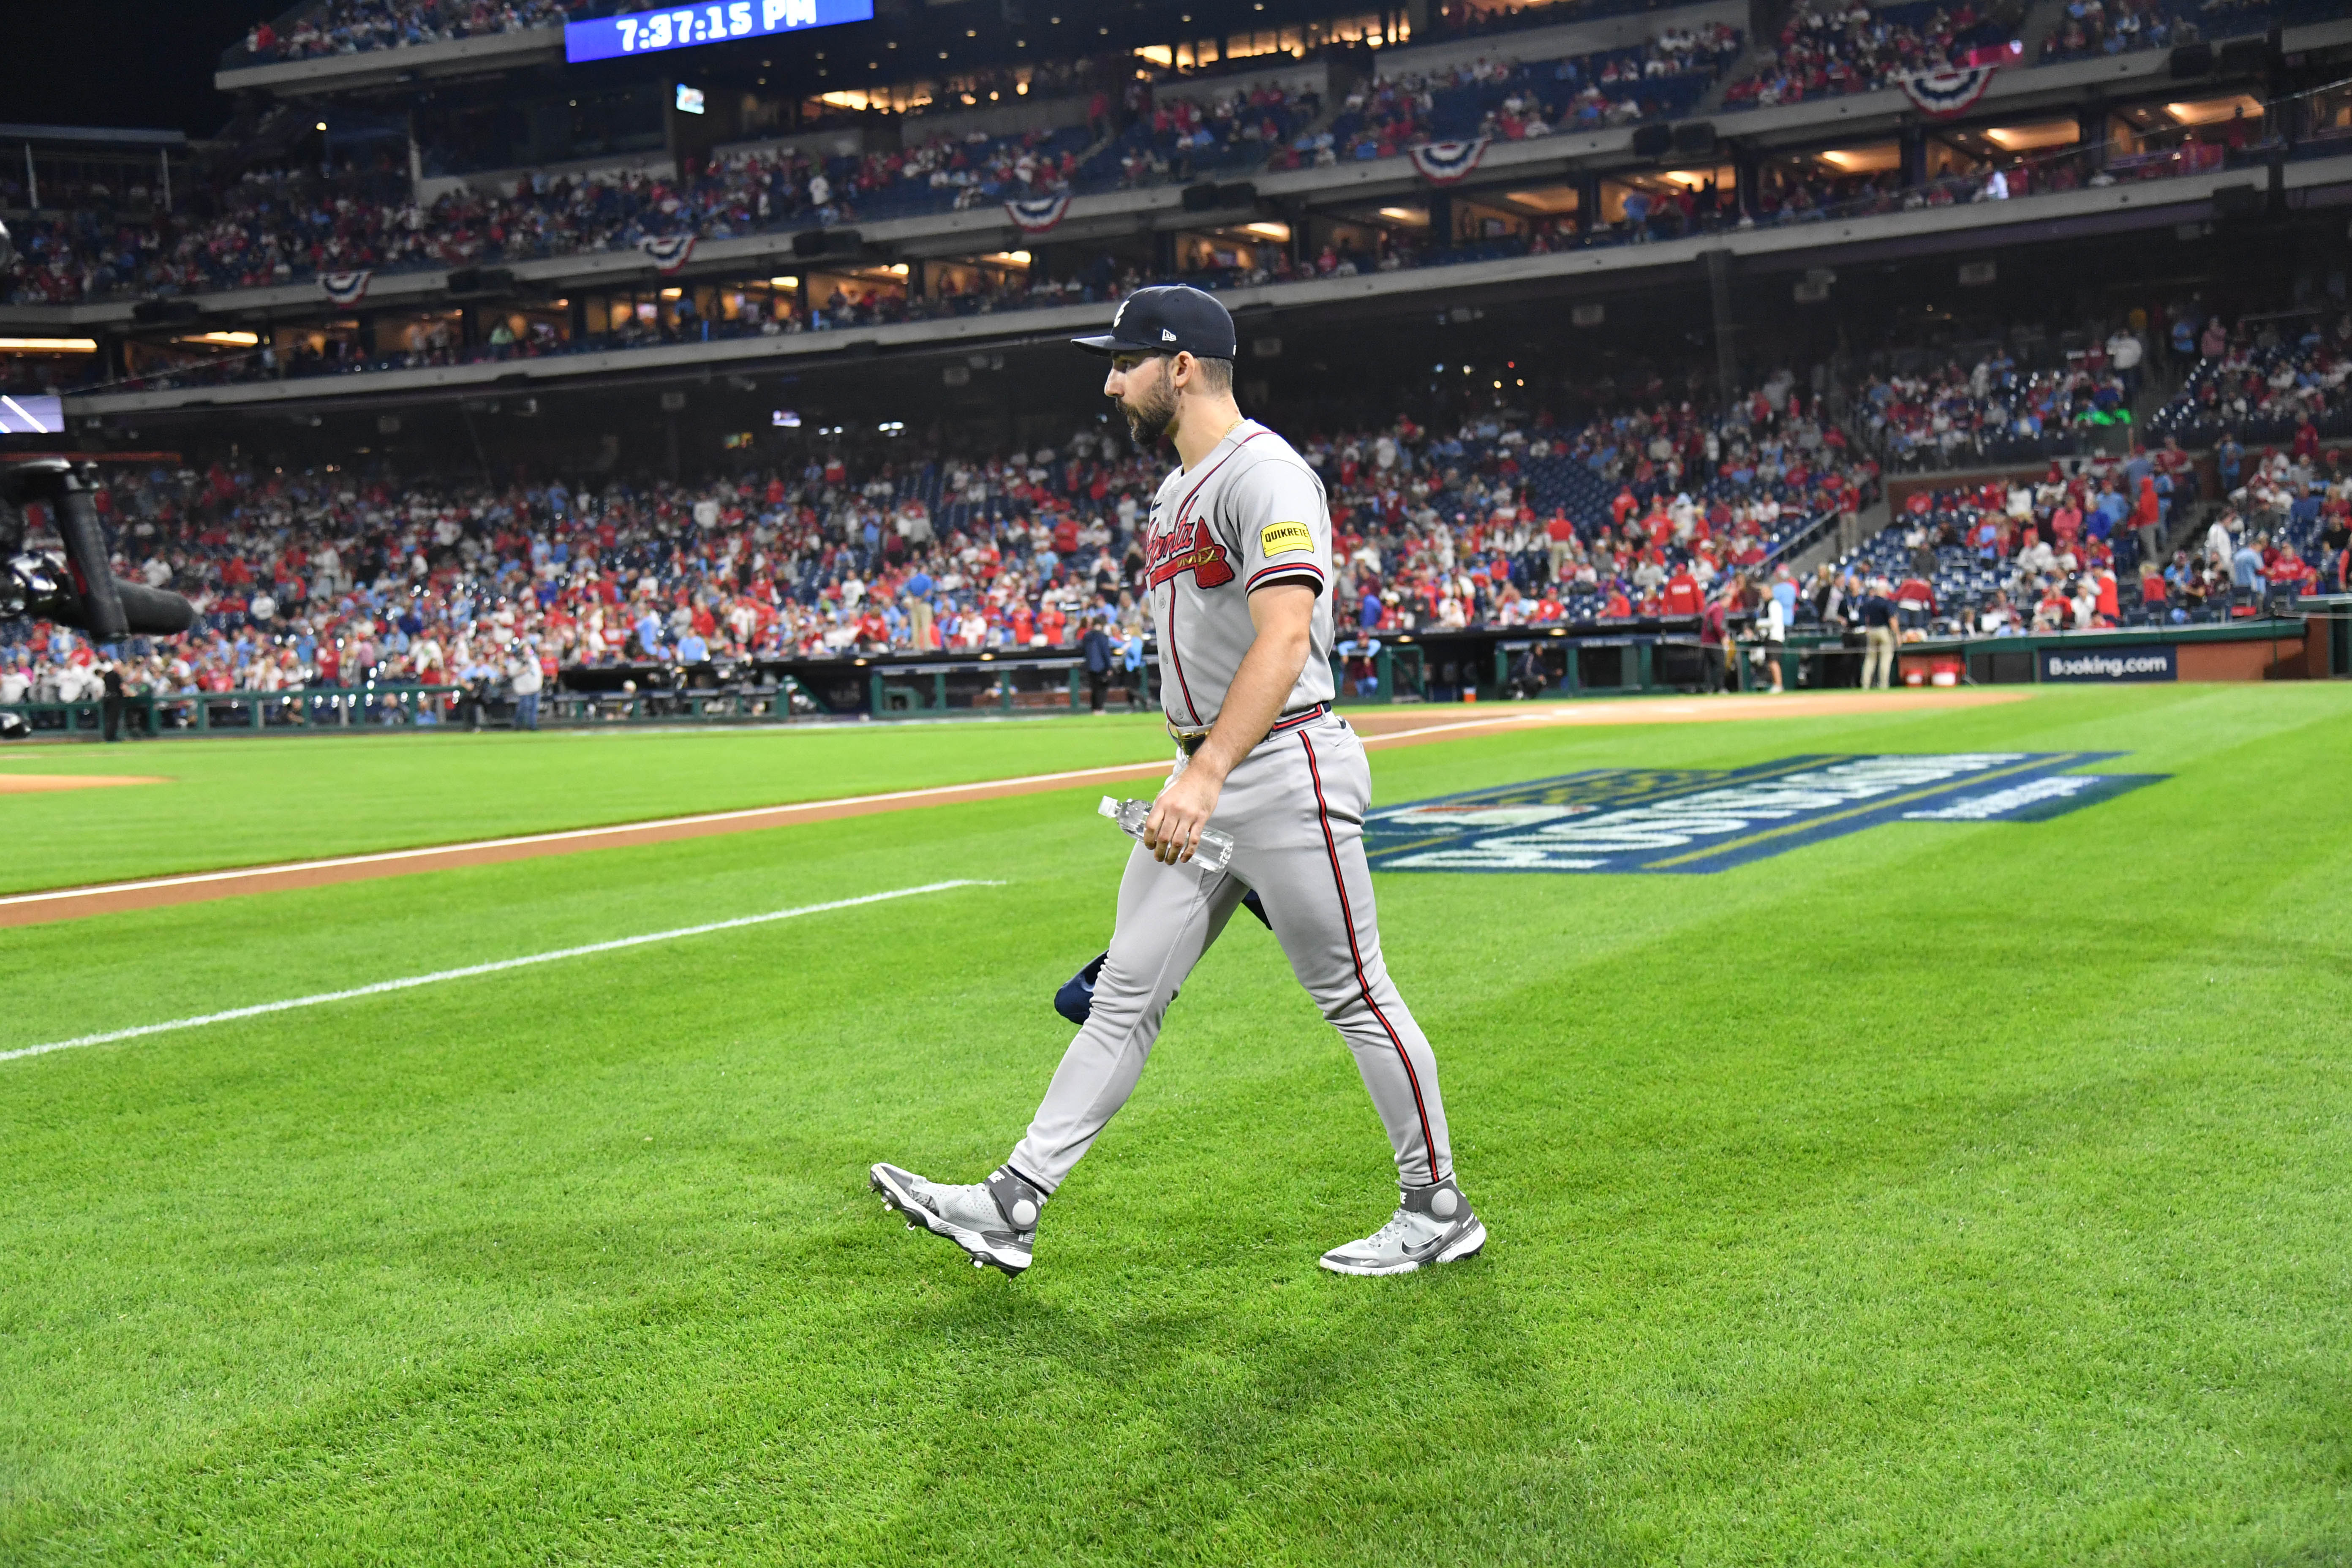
{"x":1213,"y":853}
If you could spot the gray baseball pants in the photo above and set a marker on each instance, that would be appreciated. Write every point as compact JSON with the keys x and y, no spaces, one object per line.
{"x":1295,"y":807}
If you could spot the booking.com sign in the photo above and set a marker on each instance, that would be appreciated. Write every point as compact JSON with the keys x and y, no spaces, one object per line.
{"x":1677,"y":820}
{"x":690,"y":27}
{"x":2154,"y":661}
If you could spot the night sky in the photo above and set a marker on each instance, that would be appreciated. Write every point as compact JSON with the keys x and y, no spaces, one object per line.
{"x":146,"y":64}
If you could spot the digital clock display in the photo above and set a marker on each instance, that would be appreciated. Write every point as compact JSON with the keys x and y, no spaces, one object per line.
{"x":687,"y":26}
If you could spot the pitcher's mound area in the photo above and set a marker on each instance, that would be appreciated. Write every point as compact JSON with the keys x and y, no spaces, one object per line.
{"x":41,"y":783}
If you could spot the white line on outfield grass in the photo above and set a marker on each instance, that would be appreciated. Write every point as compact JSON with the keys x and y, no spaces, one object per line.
{"x":381,"y":986}
{"x":434,"y":852}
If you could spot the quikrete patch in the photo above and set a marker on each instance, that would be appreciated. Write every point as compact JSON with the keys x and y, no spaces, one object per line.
{"x":1278,"y":537}
{"x":1667,"y":820}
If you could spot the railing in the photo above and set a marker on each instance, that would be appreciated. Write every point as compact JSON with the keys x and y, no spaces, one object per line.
{"x":1788,"y":548}
{"x":206,"y":712}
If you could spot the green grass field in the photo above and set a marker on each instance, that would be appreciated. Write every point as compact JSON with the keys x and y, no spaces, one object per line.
{"x":235,"y":802}
{"x":1937,"y":1193}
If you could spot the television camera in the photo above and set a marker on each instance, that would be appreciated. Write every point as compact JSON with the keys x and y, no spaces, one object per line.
{"x":73,"y":586}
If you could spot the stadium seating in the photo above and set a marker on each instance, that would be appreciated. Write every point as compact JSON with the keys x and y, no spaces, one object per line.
{"x":353,"y":26}
{"x":280,"y":224}
{"x":1988,"y":574}
{"x":2274,"y":381}
{"x":1993,"y":413}
{"x":1499,"y":522}
{"x":1513,"y":101}
{"x":1828,"y":49}
{"x":1178,"y":138}
{"x":277,"y":228}
{"x":2092,"y":28}
{"x":2007,"y":557}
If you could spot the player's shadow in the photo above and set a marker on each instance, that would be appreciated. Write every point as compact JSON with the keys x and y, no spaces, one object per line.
{"x":1410,"y":1419}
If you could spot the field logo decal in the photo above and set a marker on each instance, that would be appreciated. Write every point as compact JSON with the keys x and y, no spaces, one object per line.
{"x":1690,"y":820}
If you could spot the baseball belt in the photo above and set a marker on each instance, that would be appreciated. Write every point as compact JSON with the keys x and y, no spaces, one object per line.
{"x":1188,"y":741}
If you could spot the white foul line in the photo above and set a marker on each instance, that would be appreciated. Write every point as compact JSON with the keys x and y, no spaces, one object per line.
{"x":381,"y":986}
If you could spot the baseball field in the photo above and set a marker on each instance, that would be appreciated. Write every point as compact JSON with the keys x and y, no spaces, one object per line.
{"x":1919,"y":1191}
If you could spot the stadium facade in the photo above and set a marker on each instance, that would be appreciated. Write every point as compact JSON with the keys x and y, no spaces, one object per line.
{"x":1530,"y":199}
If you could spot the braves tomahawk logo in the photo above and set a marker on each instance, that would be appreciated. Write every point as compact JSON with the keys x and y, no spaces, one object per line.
{"x":1188,"y":547}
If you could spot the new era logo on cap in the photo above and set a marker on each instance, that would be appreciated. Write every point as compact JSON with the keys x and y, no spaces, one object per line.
{"x":1167,"y":318}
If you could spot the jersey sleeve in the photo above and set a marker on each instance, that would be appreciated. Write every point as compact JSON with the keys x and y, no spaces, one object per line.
{"x":1281,"y":528}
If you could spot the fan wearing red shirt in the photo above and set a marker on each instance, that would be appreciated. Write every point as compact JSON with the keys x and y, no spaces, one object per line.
{"x":1682,"y":597}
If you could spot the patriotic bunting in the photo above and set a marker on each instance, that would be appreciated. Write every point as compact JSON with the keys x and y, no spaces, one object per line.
{"x":670,"y":252}
{"x":344,"y":289}
{"x":1944,"y":93}
{"x":1442,"y":162}
{"x":1040,"y":213}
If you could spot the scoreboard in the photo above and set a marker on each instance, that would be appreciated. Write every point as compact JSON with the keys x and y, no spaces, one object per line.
{"x":688,"y":26}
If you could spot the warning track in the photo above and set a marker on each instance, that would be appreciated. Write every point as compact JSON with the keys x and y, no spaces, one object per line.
{"x":1380,"y":730}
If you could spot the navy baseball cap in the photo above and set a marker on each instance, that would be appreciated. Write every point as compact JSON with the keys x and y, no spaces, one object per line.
{"x":1166,"y":319}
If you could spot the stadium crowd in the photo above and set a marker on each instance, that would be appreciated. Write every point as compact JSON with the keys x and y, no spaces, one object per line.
{"x":275,"y":225}
{"x":1171,"y":136}
{"x":1829,"y":47}
{"x":350,"y":27}
{"x":1513,"y":101}
{"x":2095,"y":27}
{"x":274,"y":228}
{"x":2269,"y":378}
{"x":2083,"y":551}
{"x":1995,"y":411}
{"x":330,"y":578}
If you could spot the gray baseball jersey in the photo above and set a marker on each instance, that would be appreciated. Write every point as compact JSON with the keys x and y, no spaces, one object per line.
{"x":1248,"y":514}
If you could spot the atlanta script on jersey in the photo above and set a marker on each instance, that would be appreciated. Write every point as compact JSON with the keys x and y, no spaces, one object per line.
{"x":1249,"y":515}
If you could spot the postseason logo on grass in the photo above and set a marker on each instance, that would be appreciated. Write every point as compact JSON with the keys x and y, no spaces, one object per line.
{"x":1657,"y":820}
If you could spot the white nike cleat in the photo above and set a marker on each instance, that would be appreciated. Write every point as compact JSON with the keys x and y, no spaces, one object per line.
{"x":995,"y":1221}
{"x":1431,"y":1225}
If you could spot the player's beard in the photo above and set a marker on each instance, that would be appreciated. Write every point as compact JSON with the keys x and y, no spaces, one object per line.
{"x":1150,"y":415}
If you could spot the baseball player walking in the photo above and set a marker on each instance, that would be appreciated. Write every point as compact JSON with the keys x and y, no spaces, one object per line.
{"x":1238,"y":560}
